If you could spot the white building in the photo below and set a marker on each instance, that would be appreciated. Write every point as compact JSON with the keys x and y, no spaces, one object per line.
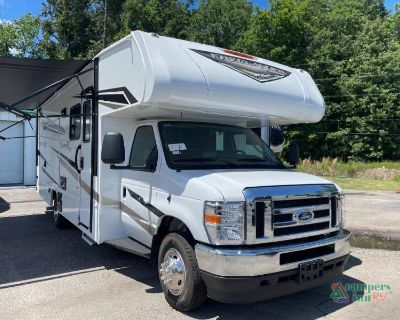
{"x":21,"y":77}
{"x":17,"y":156}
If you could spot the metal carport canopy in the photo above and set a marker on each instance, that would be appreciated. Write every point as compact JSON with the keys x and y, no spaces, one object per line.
{"x":22,"y":78}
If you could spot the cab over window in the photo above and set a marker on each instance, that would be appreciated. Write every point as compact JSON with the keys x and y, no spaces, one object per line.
{"x":75,"y":123}
{"x":144,"y":153}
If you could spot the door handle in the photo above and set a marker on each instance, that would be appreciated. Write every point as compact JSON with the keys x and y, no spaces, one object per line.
{"x":76,"y":158}
{"x":82,"y":162}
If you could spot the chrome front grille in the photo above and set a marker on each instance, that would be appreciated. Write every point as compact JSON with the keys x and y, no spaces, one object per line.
{"x":283,"y":211}
{"x":271,"y":214}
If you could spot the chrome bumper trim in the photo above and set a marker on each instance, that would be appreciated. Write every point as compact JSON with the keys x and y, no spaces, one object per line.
{"x":259,"y":261}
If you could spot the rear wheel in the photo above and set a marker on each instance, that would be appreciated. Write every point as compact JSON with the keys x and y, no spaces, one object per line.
{"x":179,"y":274}
{"x":59,"y":221}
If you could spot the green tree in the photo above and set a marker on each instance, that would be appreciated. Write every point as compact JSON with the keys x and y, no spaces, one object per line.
{"x":166,"y":17}
{"x":21,"y":37}
{"x":334,"y":48}
{"x":28,"y":32}
{"x":339,"y":42}
{"x":67,"y":28}
{"x":285,"y":31}
{"x":221,"y":22}
{"x":7,"y":38}
{"x":369,"y":82}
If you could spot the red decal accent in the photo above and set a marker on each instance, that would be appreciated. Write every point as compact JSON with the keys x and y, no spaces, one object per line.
{"x":239,"y":54}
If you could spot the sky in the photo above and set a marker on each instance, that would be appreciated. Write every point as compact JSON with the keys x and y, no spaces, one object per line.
{"x":13,"y":9}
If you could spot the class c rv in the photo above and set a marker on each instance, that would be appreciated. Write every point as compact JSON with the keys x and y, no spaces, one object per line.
{"x":151,"y":148}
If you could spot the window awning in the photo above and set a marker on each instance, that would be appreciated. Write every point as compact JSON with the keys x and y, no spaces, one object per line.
{"x":26,"y":83}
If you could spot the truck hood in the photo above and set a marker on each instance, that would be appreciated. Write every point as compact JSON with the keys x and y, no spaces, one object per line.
{"x":231,"y":183}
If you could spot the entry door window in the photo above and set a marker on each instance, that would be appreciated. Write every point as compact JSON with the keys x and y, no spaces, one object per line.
{"x":75,"y":123}
{"x":144,"y":153}
{"x":86,"y":121}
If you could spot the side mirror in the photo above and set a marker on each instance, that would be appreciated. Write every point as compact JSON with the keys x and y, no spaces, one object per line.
{"x":113,"y":149}
{"x":277,"y":136}
{"x":294,"y":157}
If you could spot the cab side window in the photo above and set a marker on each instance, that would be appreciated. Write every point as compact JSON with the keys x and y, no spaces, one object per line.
{"x":144,"y":154}
{"x":75,"y":123}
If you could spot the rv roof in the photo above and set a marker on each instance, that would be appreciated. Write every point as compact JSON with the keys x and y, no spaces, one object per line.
{"x":170,"y":77}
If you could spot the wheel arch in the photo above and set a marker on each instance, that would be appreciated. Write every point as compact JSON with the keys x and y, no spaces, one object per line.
{"x":168,"y":225}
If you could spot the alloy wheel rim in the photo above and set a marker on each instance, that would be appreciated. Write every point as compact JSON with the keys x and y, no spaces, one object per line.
{"x":173,"y":272}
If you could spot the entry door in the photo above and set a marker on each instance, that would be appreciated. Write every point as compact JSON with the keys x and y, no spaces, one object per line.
{"x":85,"y":166}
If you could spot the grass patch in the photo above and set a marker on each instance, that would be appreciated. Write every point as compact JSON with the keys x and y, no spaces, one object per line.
{"x":365,"y":184}
{"x":356,"y":175}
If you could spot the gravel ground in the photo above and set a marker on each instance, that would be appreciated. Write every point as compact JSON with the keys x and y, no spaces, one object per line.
{"x":373,"y":213}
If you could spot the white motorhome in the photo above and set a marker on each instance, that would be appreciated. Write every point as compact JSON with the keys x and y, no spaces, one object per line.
{"x":150,"y":149}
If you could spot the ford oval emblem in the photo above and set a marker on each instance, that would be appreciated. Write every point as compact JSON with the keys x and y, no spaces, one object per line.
{"x":303,"y":216}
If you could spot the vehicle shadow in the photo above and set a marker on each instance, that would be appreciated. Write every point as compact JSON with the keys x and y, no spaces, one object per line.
{"x":33,"y":250}
{"x":4,"y":205}
{"x":307,"y":305}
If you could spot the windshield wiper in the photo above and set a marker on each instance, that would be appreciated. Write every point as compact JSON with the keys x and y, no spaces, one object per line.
{"x":251,"y":159}
{"x":194,"y":160}
{"x":233,"y":164}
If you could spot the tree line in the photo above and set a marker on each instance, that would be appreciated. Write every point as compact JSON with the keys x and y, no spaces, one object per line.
{"x":350,"y":47}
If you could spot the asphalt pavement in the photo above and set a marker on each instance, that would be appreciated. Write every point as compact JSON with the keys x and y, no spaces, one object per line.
{"x":46,"y":273}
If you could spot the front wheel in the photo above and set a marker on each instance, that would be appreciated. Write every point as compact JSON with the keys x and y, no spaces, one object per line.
{"x":179,"y":274}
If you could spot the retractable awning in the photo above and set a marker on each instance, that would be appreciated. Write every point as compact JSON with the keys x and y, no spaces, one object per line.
{"x":26,"y":83}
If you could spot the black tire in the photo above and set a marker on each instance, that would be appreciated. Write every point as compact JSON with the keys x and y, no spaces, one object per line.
{"x":59,"y":221}
{"x":194,"y":291}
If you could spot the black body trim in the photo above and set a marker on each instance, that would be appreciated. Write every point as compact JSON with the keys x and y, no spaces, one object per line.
{"x":149,"y":206}
{"x":264,"y":287}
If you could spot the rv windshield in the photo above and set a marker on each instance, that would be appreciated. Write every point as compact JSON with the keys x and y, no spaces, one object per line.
{"x":195,"y":145}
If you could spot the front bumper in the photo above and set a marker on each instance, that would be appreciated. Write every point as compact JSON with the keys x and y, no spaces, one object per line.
{"x":260,"y":288}
{"x":231,"y":275}
{"x":260,"y":260}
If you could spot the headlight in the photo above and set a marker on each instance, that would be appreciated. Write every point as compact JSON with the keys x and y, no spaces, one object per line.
{"x":224,"y":222}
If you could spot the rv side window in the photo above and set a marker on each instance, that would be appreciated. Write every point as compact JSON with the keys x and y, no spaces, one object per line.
{"x":75,"y":123}
{"x":144,"y":153}
{"x":86,"y":121}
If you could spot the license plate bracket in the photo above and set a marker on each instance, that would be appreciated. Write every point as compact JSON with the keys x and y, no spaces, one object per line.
{"x":311,"y":270}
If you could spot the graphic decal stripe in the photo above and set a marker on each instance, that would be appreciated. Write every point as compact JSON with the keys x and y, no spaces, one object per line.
{"x":50,"y":177}
{"x":144,"y":224}
{"x":258,"y":71}
{"x":75,"y":174}
{"x":70,"y":162}
{"x":112,"y":91}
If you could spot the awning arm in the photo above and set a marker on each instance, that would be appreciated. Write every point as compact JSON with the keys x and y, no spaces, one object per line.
{"x":15,"y":111}
{"x":62,"y":81}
